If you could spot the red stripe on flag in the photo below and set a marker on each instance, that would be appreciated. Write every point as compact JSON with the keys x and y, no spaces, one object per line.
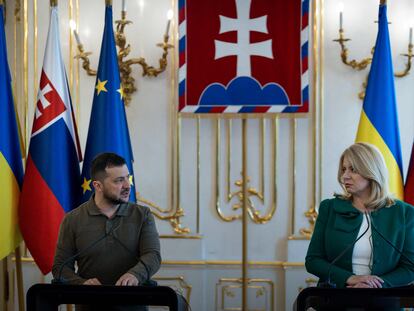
{"x":409,"y":182}
{"x":218,"y":109}
{"x":181,"y":15}
{"x":181,"y":58}
{"x":40,"y":228}
{"x":304,"y":64}
{"x":261,"y":109}
{"x":181,"y":103}
{"x":305,"y":20}
{"x":304,"y":108}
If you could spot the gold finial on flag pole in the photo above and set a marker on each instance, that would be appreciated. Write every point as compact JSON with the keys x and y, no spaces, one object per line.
{"x":108,"y":2}
{"x":382,"y":2}
{"x":1,"y":2}
{"x":53,"y":3}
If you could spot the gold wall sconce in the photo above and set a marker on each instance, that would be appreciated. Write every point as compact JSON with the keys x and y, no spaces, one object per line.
{"x":363,"y":64}
{"x":128,"y":82}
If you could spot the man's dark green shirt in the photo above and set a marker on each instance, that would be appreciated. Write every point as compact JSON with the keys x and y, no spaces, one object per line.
{"x":128,"y":242}
{"x":337,"y":227}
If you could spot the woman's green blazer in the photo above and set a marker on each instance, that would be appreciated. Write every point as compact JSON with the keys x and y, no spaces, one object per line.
{"x":337,"y":227}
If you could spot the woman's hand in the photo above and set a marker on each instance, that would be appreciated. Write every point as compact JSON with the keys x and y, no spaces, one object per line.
{"x":364,"y":281}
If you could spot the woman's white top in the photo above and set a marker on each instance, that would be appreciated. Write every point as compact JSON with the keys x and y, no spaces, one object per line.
{"x":362,"y":254}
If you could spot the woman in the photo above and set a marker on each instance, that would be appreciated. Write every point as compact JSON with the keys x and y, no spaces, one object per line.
{"x":349,"y":245}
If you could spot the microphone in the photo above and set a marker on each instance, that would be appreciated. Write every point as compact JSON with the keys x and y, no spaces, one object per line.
{"x":59,"y":279}
{"x":390,"y":243}
{"x":328,"y":283}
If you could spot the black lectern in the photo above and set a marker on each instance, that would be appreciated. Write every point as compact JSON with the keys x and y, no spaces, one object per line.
{"x":47,"y":297}
{"x":338,"y":299}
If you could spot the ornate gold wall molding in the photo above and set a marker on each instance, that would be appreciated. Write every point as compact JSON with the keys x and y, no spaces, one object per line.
{"x":173,"y":216}
{"x":17,"y":8}
{"x":176,"y":236}
{"x":254,"y":213}
{"x":178,"y":283}
{"x":228,"y":293}
{"x":235,"y":263}
{"x":293,"y":130}
{"x":175,"y":212}
{"x":35,"y":53}
{"x":317,"y":113}
{"x":25,"y":74}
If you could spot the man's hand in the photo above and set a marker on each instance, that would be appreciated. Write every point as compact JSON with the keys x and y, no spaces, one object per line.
{"x":364,"y":281}
{"x":93,"y":281}
{"x":127,"y":279}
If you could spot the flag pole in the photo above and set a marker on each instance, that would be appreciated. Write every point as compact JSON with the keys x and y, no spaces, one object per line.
{"x":245,"y":276}
{"x":54,"y":3}
{"x":382,"y":2}
{"x":18,"y":256}
{"x":5,"y":274}
{"x":19,"y":276}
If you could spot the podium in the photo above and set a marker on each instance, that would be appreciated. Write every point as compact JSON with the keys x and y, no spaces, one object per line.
{"x":48,"y":297}
{"x":338,"y":299}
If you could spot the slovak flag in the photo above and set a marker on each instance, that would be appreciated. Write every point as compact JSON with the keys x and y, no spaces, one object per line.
{"x":51,"y":182}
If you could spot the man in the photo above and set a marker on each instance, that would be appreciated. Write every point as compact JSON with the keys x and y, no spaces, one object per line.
{"x":113,"y":241}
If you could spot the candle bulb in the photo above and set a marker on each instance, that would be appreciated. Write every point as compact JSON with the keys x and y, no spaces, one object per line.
{"x":341,"y":16}
{"x":411,"y":36}
{"x":167,"y":30}
{"x":169,"y":18}
{"x":72,"y":25}
{"x":77,"y":37}
{"x":123,"y":5}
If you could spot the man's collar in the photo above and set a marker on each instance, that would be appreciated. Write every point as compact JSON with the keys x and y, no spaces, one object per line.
{"x":92,"y":207}
{"x":94,"y":210}
{"x":122,"y":210}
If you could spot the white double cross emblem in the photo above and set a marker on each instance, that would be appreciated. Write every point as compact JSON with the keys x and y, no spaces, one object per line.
{"x":42,"y":101}
{"x":243,"y":49}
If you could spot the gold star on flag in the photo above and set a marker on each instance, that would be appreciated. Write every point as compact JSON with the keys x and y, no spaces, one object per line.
{"x":121,"y":91}
{"x":100,"y":86}
{"x":131,"y":180}
{"x":86,"y":186}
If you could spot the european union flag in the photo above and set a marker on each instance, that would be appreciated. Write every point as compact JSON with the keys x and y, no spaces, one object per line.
{"x":108,"y":127}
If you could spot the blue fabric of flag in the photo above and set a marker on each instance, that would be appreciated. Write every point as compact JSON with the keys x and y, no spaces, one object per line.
{"x":108,"y":127}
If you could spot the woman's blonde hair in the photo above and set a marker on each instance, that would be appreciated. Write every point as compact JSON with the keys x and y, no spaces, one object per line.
{"x":367,"y":161}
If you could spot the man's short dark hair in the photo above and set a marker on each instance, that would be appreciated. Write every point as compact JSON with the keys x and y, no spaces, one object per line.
{"x":103,"y":161}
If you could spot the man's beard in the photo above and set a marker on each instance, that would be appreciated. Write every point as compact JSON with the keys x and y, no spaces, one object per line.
{"x":113,"y":199}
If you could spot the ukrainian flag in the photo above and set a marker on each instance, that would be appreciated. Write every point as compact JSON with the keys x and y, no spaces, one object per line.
{"x":378,"y":124}
{"x":11,"y":168}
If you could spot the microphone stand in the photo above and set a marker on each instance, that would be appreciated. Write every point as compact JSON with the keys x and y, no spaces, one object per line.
{"x":328,"y":283}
